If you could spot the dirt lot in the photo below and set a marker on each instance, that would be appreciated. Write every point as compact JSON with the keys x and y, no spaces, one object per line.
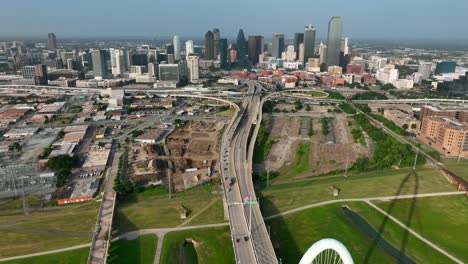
{"x":193,"y":146}
{"x":324,"y":156}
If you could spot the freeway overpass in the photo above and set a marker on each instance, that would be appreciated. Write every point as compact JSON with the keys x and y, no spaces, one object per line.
{"x":249,"y":234}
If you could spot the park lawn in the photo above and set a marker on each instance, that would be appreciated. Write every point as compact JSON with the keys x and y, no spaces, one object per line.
{"x":156,"y":210}
{"x":441,"y":220}
{"x":77,"y":256}
{"x":300,"y":164}
{"x":138,"y":251}
{"x":212,"y":214}
{"x":295,"y":233}
{"x":282,"y":197}
{"x":413,"y":247}
{"x":461,"y":169}
{"x":48,"y":229}
{"x":212,"y":245}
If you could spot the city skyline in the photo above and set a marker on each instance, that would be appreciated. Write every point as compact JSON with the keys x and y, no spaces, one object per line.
{"x":414,"y":22}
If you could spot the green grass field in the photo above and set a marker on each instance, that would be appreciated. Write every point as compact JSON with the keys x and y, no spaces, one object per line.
{"x":461,"y":169}
{"x":295,"y":233}
{"x":137,"y":251}
{"x":228,"y":112}
{"x":77,"y":256}
{"x":156,"y":210}
{"x":300,"y":164}
{"x":281,"y":197}
{"x":212,"y":246}
{"x":49,"y":229}
{"x":315,"y":93}
{"x":441,"y":220}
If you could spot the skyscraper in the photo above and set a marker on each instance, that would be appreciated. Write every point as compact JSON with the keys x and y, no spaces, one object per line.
{"x":255,"y":45}
{"x":189,"y":48}
{"x":223,"y":52}
{"x":117,"y":62}
{"x":217,"y":37}
{"x":99,"y":63}
{"x":241,"y":45}
{"x":209,"y":45}
{"x":323,"y":53}
{"x":309,"y":43}
{"x":192,"y":64}
{"x":334,"y":41}
{"x":425,"y":69}
{"x":298,"y":39}
{"x":177,"y":47}
{"x":51,"y":41}
{"x":277,"y":45}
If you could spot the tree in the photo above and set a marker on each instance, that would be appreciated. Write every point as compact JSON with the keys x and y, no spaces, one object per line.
{"x":387,"y":86}
{"x":298,"y":105}
{"x":308,"y":108}
{"x":413,"y":126}
{"x":62,"y":163}
{"x":405,"y":126}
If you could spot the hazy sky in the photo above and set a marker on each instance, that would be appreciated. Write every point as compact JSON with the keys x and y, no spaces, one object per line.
{"x":417,"y":19}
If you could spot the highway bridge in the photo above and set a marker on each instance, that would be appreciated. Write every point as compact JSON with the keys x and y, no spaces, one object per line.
{"x":251,"y":240}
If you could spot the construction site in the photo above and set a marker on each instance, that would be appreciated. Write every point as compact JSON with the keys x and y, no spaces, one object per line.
{"x":327,"y":148}
{"x":187,"y":156}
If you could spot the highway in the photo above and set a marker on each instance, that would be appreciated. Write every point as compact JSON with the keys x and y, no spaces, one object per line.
{"x":251,"y":241}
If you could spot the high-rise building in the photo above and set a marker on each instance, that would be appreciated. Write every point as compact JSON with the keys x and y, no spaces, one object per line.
{"x":344,"y":46}
{"x":153,"y":70}
{"x":169,"y":73}
{"x":117,"y":62}
{"x":323,"y":53}
{"x":216,"y":38}
{"x":277,"y":45}
{"x":241,"y":46}
{"x":309,"y":43}
{"x":298,"y":39}
{"x":189,"y":48}
{"x":334,"y":41}
{"x":170,"y":48}
{"x":192,"y":64}
{"x":445,"y":67}
{"x":255,"y":45}
{"x":99,"y":63}
{"x":140,"y":59}
{"x":223,"y":52}
{"x":290,"y":54}
{"x":51,"y":41}
{"x":209,"y":46}
{"x":177,"y":47}
{"x":36,"y":73}
{"x":425,"y":69}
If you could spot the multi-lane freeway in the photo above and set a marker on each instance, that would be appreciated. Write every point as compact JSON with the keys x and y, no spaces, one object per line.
{"x":249,"y":234}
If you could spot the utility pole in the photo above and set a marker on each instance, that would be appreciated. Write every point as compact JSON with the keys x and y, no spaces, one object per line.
{"x":268,"y":172}
{"x":347,"y":160}
{"x":169,"y":182}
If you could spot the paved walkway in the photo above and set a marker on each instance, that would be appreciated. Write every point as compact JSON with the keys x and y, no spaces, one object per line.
{"x":414,"y":233}
{"x":87,"y":245}
{"x":382,"y":198}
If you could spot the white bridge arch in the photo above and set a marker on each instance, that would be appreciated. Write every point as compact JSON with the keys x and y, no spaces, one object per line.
{"x":327,"y":251}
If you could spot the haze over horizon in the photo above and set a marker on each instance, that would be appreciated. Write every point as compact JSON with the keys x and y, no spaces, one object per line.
{"x":396,"y":19}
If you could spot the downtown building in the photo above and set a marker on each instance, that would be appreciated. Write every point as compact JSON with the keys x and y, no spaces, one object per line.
{"x":335,"y":26}
{"x":255,"y":48}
